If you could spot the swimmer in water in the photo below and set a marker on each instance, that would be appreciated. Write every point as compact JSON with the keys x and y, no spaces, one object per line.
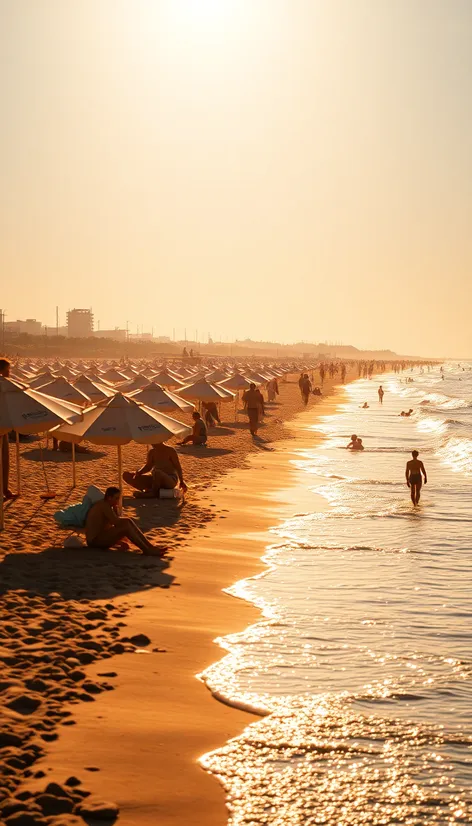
{"x":414,"y":480}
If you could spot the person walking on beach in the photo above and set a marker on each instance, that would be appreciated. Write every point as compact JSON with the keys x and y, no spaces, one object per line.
{"x":414,"y":480}
{"x":381,"y":394}
{"x":251,"y":399}
{"x":305,"y":388}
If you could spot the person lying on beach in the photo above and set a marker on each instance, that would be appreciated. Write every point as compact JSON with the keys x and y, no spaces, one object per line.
{"x":162,"y":470}
{"x":407,"y":412}
{"x":199,"y":435}
{"x":414,"y":469}
{"x":104,"y":528}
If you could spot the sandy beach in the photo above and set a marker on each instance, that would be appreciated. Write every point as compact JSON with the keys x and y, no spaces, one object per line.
{"x":77,"y":624}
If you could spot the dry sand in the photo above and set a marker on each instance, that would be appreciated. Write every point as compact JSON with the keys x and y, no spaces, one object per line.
{"x":65,"y":742}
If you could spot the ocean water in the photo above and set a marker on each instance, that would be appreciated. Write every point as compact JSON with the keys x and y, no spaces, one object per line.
{"x":361,"y":665}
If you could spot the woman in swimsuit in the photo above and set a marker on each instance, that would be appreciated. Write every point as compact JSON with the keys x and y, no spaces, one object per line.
{"x":414,"y":479}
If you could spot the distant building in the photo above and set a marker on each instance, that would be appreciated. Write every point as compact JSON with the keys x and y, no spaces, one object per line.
{"x":29,"y":326}
{"x":80,"y":323}
{"x":140,"y":337}
{"x":116,"y":335}
{"x":55,"y":331}
{"x":163,"y":339}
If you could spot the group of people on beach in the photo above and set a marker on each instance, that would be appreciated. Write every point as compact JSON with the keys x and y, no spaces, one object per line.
{"x":415,"y":471}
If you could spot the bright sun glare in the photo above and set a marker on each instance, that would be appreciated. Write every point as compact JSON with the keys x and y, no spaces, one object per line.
{"x":204,"y":13}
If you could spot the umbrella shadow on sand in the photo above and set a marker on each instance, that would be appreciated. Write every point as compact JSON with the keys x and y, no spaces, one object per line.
{"x":59,"y":457}
{"x":82,"y":573}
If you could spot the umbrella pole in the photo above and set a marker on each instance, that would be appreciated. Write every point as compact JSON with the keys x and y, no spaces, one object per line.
{"x":18,"y":473}
{"x":2,"y":521}
{"x":119,"y":466}
{"x":74,"y":477}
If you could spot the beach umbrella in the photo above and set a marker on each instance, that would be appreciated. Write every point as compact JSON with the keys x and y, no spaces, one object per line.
{"x":203,"y":391}
{"x":42,"y":378}
{"x":94,"y":391}
{"x":167,"y":379}
{"x":62,"y":389}
{"x":136,"y":383}
{"x":120,"y":420}
{"x":216,"y":376}
{"x":28,"y":411}
{"x":157,"y":398}
{"x":236,"y":382}
{"x":114,"y":376}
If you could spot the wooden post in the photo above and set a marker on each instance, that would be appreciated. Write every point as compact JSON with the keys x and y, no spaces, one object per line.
{"x":2,"y":522}
{"x":74,"y":476}
{"x":119,"y":467}
{"x":18,"y":471}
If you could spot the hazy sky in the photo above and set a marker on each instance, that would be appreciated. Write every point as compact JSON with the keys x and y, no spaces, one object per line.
{"x":279,"y":169}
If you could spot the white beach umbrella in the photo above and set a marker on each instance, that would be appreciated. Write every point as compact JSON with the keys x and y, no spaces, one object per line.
{"x":236,"y":382}
{"x":94,"y":391}
{"x":28,"y":411}
{"x":167,"y":379}
{"x":136,"y":383}
{"x":114,"y":376}
{"x":62,"y":389}
{"x":42,"y":378}
{"x":120,"y":420}
{"x":157,"y":398}
{"x":203,"y":391}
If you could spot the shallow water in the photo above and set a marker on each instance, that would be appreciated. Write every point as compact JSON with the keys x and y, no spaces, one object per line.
{"x":362,"y":663}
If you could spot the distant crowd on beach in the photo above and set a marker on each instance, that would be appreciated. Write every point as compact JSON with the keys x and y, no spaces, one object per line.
{"x":162,"y":471}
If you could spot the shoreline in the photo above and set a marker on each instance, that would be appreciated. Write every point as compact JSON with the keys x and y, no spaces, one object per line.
{"x":144,"y":739}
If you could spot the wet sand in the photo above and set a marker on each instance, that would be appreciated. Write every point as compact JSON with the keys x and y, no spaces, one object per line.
{"x":77,"y":624}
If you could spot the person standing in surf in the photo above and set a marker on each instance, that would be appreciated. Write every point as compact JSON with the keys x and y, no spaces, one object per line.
{"x":414,"y":479}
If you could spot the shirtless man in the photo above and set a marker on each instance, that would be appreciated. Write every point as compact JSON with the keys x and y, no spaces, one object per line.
{"x":251,"y":399}
{"x":162,"y":470}
{"x":414,"y":469}
{"x":104,"y":528}
{"x":381,"y":393}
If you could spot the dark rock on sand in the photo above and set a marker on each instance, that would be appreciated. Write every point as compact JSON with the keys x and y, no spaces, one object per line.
{"x":95,"y":809}
{"x":52,"y":805}
{"x":140,"y":639}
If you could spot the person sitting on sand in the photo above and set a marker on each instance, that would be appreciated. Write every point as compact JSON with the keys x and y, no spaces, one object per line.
{"x":364,"y":406}
{"x":199,"y":434}
{"x":104,"y":528}
{"x":211,"y":413}
{"x":162,"y":470}
{"x":414,"y":469}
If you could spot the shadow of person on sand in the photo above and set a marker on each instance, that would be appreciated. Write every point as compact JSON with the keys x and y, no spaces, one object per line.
{"x":58,"y":457}
{"x":203,"y":452}
{"x":221,"y":430}
{"x":81,"y":573}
